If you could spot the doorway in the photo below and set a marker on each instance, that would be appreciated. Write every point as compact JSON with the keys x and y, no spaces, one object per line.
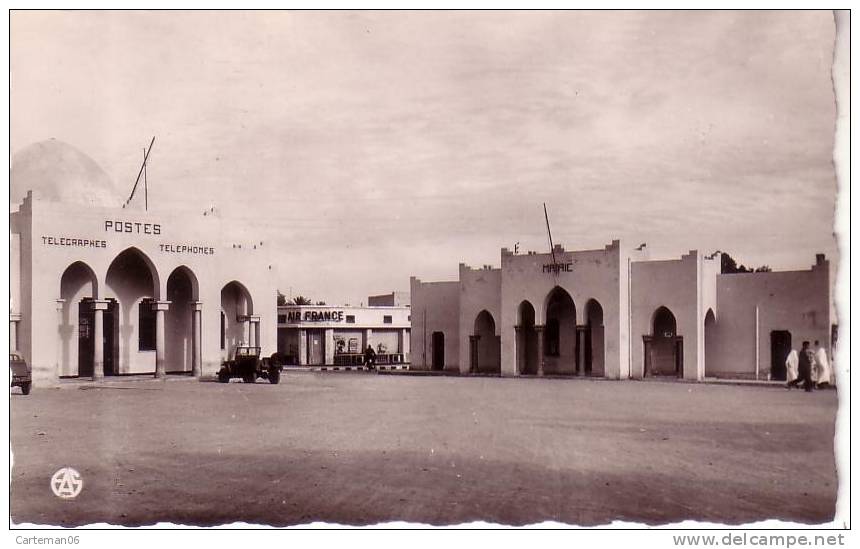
{"x":109,"y":328}
{"x":316,"y":352}
{"x":87,"y":337}
{"x":527,"y":341}
{"x":780,"y":346}
{"x":438,"y":339}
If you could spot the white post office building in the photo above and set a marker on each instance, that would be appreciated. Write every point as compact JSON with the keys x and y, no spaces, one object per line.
{"x":101,"y":290}
{"x":615,"y":313}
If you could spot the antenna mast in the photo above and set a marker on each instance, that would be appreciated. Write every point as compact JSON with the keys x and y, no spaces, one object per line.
{"x":145,"y":185}
{"x":549,"y":234}
{"x":139,"y":173}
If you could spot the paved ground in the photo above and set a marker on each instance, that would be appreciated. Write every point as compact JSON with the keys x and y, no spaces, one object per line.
{"x":356,"y":448}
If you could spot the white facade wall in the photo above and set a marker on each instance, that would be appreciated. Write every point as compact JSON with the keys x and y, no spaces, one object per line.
{"x":794,"y":301}
{"x":43,"y":264}
{"x":673,"y":284}
{"x":598,"y":275}
{"x":480,"y":290}
{"x":715,"y":314}
{"x":435,"y":308}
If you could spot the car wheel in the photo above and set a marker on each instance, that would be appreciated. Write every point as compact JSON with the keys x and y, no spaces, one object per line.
{"x":249,"y":378}
{"x":25,"y":388}
{"x":274,"y":376}
{"x":223,"y":376}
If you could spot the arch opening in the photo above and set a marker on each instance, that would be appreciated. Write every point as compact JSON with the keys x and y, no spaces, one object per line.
{"x":132,"y":283}
{"x":485,"y":345}
{"x":561,"y":348}
{"x":236,"y":308}
{"x":710,"y":342}
{"x":76,"y":330}
{"x":664,"y":348}
{"x":182,"y":293}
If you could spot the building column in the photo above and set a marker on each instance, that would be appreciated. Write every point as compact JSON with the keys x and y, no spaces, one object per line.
{"x":539,"y":331}
{"x":580,"y":350}
{"x":368,"y":338}
{"x":473,"y":353}
{"x":196,"y":338}
{"x":14,"y":319}
{"x":252,"y":331}
{"x":329,"y":346}
{"x":58,"y":356}
{"x":99,"y":307}
{"x":160,"y":308}
{"x":303,"y":347}
{"x":520,"y":342}
{"x":404,"y":342}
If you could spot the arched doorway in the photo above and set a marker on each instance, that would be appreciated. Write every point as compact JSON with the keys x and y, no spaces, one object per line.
{"x":438,"y":351}
{"x":594,"y":341}
{"x":527,"y":347}
{"x":710,"y":343}
{"x":182,"y":293}
{"x":76,"y":329}
{"x":132,"y":281}
{"x":664,"y":348}
{"x":237,"y":321}
{"x":560,"y":336}
{"x":485,"y":346}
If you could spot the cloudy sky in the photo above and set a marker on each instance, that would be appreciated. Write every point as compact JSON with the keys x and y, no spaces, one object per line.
{"x":382,"y":145}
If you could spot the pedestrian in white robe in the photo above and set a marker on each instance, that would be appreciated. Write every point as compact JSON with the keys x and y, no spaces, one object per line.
{"x":791,"y":366}
{"x":822,"y":367}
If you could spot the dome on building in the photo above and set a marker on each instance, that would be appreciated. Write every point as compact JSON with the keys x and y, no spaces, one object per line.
{"x":59,"y":172}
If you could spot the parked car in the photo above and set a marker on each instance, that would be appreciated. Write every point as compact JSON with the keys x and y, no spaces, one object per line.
{"x":248,"y":365}
{"x":20,"y":373}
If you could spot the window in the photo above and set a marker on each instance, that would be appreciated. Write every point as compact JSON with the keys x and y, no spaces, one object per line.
{"x":282,"y":319}
{"x":145,"y":326}
{"x":386,"y":319}
{"x":350,"y":319}
{"x":409,"y":318}
{"x":223,"y":331}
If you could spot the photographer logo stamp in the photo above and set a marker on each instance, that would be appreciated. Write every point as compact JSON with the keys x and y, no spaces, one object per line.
{"x":66,"y":483}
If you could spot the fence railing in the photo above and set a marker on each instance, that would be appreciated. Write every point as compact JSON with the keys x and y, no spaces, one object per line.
{"x":358,"y":359}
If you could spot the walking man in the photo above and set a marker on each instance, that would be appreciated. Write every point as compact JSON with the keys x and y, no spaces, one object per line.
{"x":804,"y":368}
{"x":822,"y":366}
{"x":791,"y":363}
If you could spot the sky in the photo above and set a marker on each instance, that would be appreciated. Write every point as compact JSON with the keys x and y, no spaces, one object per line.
{"x":375,"y":146}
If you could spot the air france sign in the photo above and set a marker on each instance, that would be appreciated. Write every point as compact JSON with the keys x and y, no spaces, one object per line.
{"x":314,"y":316}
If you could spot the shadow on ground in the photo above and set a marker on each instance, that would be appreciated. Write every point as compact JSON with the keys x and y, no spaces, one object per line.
{"x":369,"y":488}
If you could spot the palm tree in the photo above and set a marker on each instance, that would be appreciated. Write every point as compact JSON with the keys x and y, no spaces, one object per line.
{"x":301,"y":300}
